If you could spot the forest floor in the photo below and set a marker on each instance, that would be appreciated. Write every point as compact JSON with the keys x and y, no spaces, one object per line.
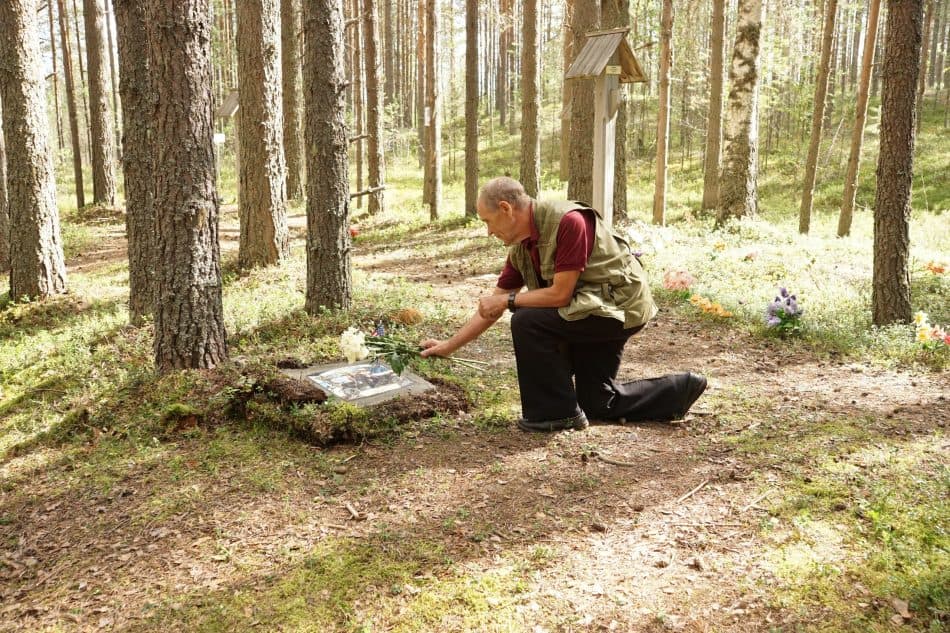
{"x":806,"y":491}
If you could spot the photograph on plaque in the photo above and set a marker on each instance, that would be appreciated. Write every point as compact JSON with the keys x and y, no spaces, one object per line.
{"x":360,"y":380}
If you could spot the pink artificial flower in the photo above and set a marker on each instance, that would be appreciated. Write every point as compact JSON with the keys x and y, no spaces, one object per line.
{"x":677,"y":280}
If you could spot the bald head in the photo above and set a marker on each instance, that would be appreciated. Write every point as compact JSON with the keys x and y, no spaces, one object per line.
{"x":503,"y":189}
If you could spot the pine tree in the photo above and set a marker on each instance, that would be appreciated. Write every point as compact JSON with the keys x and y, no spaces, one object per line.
{"x":134,"y":84}
{"x":189,"y":323}
{"x":100,"y":113}
{"x":265,"y":240}
{"x":530,"y":101}
{"x":329,"y":282}
{"x":890,"y":294}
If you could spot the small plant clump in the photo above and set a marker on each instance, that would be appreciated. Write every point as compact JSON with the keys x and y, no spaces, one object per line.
{"x":783,"y":314}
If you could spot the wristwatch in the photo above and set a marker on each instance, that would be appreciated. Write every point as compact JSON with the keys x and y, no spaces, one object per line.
{"x":511,"y":301}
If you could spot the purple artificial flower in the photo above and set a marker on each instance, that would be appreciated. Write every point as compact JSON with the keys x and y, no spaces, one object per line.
{"x":782,"y":291}
{"x":772,"y":321}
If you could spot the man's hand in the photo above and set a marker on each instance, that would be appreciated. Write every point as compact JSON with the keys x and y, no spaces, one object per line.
{"x":433,"y":347}
{"x":492,"y":306}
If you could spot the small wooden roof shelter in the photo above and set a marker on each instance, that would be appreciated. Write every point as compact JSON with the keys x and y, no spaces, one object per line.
{"x":607,"y":58}
{"x":599,"y":49}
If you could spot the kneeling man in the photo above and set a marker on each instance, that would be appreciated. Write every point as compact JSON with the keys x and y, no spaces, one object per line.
{"x":586,"y":295}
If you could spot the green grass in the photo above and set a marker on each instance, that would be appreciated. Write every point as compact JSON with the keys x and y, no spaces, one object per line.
{"x":82,"y":412}
{"x":343,"y":584}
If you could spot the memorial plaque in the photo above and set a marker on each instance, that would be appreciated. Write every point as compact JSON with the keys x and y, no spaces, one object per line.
{"x":362,"y":383}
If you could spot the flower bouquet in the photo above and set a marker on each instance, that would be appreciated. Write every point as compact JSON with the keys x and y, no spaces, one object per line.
{"x":784,"y":314}
{"x":930,"y":336}
{"x":396,"y":351}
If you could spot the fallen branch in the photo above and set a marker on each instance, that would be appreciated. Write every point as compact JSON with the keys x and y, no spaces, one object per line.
{"x":366,"y":192}
{"x":353,"y":512}
{"x":756,"y":500}
{"x":613,"y":462}
{"x":693,"y":491}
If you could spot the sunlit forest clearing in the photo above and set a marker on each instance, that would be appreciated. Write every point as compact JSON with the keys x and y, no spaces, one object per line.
{"x":805,"y":491}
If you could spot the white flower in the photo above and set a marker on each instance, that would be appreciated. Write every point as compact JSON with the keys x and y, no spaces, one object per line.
{"x":920,"y":318}
{"x":353,"y":345}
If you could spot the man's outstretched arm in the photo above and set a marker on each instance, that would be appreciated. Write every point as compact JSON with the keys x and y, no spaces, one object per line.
{"x":472,"y":329}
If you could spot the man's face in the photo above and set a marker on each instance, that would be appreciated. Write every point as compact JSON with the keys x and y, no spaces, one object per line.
{"x":499,"y":222}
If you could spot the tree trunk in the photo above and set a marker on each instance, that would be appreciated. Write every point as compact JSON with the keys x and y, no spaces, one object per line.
{"x":374,"y":107}
{"x":189,"y":324}
{"x":471,"y":107}
{"x":738,"y":191}
{"x":356,"y":72}
{"x":922,"y":82}
{"x":530,"y":101}
{"x":71,"y":107}
{"x":567,"y":92}
{"x":36,"y":255}
{"x":616,"y":13}
{"x":131,"y":20}
{"x":421,"y":84}
{"x":328,"y":238}
{"x":52,"y":44}
{"x":265,"y":239}
{"x":433,"y":162}
{"x":102,"y":152}
{"x":110,"y":50}
{"x":291,"y":78}
{"x":890,"y":295}
{"x":505,"y":43}
{"x":663,"y":113}
{"x":4,"y":209}
{"x":82,"y":76}
{"x":389,"y":54}
{"x":714,"y":120}
{"x":876,"y":68}
{"x":821,"y":88}
{"x":581,"y":184}
{"x":860,"y":116}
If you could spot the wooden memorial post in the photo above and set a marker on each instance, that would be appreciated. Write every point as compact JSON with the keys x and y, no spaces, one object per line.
{"x":608,"y":59}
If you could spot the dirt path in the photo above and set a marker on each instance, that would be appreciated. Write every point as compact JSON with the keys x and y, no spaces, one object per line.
{"x":670,"y":540}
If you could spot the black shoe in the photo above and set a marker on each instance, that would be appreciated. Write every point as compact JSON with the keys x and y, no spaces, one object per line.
{"x":695,"y":386}
{"x":578,"y":422}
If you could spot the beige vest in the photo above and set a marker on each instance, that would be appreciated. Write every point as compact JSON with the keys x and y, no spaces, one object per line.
{"x":613,"y":285}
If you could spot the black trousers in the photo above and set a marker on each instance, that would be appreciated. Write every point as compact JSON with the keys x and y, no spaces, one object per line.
{"x":550,"y":351}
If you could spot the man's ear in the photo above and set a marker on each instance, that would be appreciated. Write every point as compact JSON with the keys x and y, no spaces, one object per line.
{"x":505,"y":207}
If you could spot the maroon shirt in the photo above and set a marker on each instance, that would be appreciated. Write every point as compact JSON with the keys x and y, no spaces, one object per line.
{"x":575,"y":242}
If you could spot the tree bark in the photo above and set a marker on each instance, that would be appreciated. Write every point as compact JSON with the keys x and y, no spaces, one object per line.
{"x":4,"y":209}
{"x":292,"y":79}
{"x":714,"y":120}
{"x":567,"y":91}
{"x":110,"y":50}
{"x":389,"y":54}
{"x":189,"y":323}
{"x":71,"y":106}
{"x":37,"y":269}
{"x":265,"y":239}
{"x":374,"y":115}
{"x":616,"y":13}
{"x":860,"y":117}
{"x":530,"y":101}
{"x":134,"y":78}
{"x":663,"y":113}
{"x":102,"y":152}
{"x":821,"y":91}
{"x":581,"y":184}
{"x":922,"y":81}
{"x":421,"y":84}
{"x":433,"y":162}
{"x":471,"y":107}
{"x":328,"y":239}
{"x":738,"y":191}
{"x":505,"y":43}
{"x":890,"y":295}
{"x":52,"y":45}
